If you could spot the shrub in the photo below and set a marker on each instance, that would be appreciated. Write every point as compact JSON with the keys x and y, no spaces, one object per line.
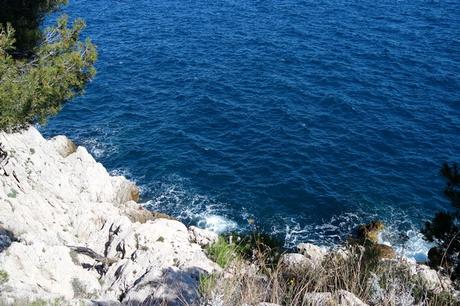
{"x":352,"y":269}
{"x":3,"y":277}
{"x":223,"y":252}
{"x":258,"y":245}
{"x":56,"y":69}
{"x":444,"y":229}
{"x":207,"y":284}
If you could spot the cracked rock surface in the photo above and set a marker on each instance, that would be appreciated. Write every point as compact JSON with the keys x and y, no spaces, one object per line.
{"x":71,"y":232}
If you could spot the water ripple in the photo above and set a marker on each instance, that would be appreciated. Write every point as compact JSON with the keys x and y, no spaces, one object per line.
{"x":307,"y":116}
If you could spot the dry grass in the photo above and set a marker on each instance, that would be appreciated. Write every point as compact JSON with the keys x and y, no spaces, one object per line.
{"x":353,"y":269}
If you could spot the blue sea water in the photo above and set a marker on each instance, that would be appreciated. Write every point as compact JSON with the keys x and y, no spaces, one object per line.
{"x":307,"y":116}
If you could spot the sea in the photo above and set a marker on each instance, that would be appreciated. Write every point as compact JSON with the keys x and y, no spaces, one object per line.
{"x":305,"y":118}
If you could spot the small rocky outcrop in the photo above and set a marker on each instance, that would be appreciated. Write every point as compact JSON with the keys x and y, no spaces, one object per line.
{"x":368,"y":236}
{"x":370,"y":231}
{"x":63,"y":145}
{"x":202,"y":237}
{"x":70,"y":232}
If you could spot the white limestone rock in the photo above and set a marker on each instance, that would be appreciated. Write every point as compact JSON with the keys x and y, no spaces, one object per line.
{"x":429,"y":277}
{"x":202,"y":237}
{"x":293,"y":262}
{"x":339,"y":298}
{"x":318,"y":299}
{"x":63,"y":145}
{"x":315,"y":253}
{"x":346,"y":298}
{"x":75,"y":233}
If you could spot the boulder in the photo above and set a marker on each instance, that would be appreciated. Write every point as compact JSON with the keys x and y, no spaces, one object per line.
{"x":63,"y":145}
{"x":429,"y":277}
{"x":382,"y":251}
{"x":315,"y":253}
{"x":435,"y":256}
{"x":202,"y":237}
{"x":339,"y":298}
{"x":370,"y":231}
{"x":346,"y":298}
{"x":318,"y":299}
{"x":295,"y":262}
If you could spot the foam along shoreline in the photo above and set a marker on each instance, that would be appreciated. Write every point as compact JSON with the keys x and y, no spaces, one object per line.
{"x":71,"y":231}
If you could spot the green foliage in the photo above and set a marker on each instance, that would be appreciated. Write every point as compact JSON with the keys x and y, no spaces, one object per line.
{"x":258,"y":245}
{"x":12,"y":194}
{"x":3,"y":277}
{"x":39,"y":71}
{"x":161,"y":239}
{"x":26,"y":16}
{"x":223,"y":252}
{"x":207,"y":284}
{"x":444,"y":229}
{"x":33,"y":89}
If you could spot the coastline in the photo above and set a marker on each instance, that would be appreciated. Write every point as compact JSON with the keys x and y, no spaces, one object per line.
{"x":76,"y":233}
{"x":71,"y":233}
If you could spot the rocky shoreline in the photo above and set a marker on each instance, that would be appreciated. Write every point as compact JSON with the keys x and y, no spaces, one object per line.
{"x":72,"y":234}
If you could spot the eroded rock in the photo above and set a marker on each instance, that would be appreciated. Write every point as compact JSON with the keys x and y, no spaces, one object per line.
{"x":312,"y":252}
{"x":295,"y":262}
{"x":80,"y":234}
{"x":346,"y":298}
{"x":370,"y":231}
{"x":63,"y":145}
{"x":201,"y":236}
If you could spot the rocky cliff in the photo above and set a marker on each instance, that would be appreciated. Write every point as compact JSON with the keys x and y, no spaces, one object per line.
{"x":71,"y":232}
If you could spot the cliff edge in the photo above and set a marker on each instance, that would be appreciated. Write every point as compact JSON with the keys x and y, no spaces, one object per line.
{"x":71,"y":232}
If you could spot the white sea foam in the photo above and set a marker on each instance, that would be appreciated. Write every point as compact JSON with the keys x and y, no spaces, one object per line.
{"x":400,"y":233}
{"x":217,"y":224}
{"x":121,"y":172}
{"x":192,"y":208}
{"x":184,"y":203}
{"x":411,"y":246}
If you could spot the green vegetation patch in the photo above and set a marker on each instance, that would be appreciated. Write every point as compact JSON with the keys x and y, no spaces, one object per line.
{"x":3,"y":277}
{"x":223,"y":252}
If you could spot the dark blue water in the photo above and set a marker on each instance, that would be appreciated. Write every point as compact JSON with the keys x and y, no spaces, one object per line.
{"x":307,"y":116}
